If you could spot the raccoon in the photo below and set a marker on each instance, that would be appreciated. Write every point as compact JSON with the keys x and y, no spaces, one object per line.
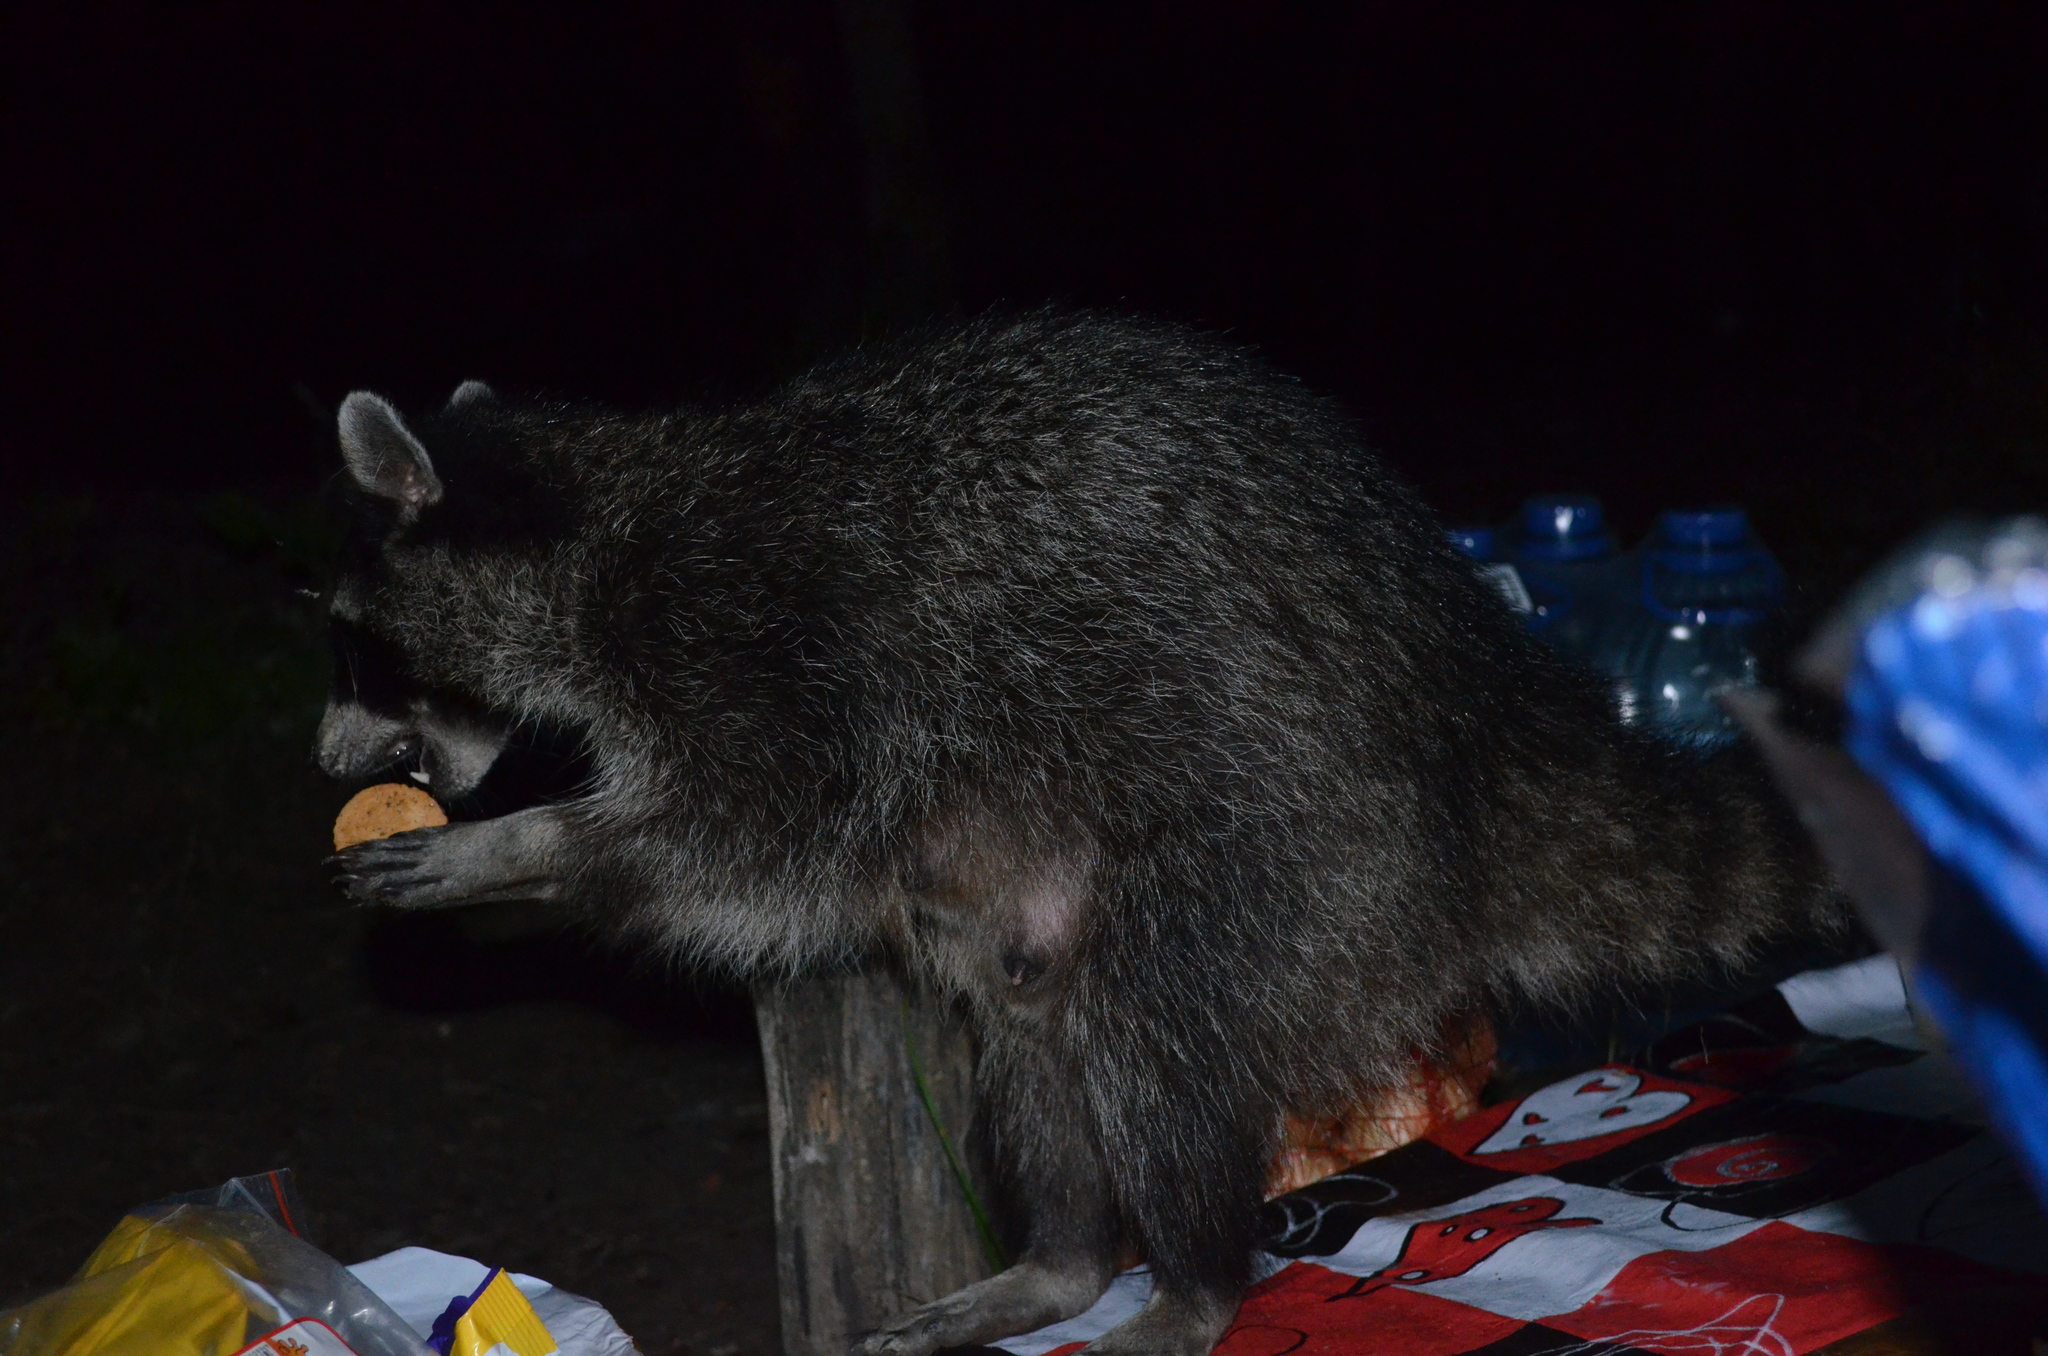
{"x":1090,"y":669}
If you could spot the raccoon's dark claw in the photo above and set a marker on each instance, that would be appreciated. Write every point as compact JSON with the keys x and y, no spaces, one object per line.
{"x":397,"y":872}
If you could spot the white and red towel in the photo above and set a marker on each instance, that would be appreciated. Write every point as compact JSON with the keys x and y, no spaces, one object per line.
{"x":1796,"y":1175}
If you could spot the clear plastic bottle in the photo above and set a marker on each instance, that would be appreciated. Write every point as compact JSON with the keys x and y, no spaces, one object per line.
{"x":1479,"y":543}
{"x":1709,"y":595}
{"x":1476,"y":542}
{"x":1567,"y":560}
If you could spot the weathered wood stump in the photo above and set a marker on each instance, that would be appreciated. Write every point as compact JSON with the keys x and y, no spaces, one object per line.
{"x":869,"y":1218}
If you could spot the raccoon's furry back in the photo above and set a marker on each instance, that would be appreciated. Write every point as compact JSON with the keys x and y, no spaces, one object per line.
{"x":1077,"y":574}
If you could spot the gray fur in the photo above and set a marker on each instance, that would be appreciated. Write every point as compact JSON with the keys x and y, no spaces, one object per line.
{"x":1103,"y":678}
{"x":470,"y":392}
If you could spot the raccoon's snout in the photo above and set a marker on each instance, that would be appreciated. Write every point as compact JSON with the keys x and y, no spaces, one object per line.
{"x":355,"y":742}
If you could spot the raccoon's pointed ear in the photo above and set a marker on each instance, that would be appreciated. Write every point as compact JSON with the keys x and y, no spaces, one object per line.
{"x":383,"y":456}
{"x":471,"y":393}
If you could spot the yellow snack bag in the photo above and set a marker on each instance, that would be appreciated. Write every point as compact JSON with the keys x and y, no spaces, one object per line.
{"x":500,"y":1321}
{"x":145,"y":1291}
{"x":217,"y":1273}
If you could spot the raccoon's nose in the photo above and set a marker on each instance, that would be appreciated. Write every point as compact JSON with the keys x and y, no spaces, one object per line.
{"x":354,"y":742}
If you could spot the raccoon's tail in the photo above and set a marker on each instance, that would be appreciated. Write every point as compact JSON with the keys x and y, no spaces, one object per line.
{"x":1761,"y":877}
{"x":1663,"y":867}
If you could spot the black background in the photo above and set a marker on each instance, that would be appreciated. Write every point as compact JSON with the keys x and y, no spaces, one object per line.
{"x":1661,"y":252}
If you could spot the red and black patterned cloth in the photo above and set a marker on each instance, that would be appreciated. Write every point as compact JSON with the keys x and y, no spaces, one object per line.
{"x":1747,"y":1185}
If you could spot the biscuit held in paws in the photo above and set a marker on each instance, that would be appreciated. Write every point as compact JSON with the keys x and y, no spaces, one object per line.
{"x":380,"y":811}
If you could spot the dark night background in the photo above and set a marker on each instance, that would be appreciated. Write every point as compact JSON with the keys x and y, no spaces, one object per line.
{"x":1794,"y":257}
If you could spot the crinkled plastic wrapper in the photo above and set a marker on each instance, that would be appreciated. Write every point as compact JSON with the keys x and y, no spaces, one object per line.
{"x":1438,"y":1092}
{"x":191,"y":1277}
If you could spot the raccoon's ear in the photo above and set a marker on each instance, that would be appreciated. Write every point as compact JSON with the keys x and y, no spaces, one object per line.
{"x":471,"y":393}
{"x":383,"y":456}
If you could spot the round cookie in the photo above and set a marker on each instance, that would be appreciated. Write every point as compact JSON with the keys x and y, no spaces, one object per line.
{"x":380,"y":811}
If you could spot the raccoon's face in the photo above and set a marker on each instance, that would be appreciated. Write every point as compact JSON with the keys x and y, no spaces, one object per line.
{"x":380,"y":721}
{"x":377,"y":724}
{"x":443,"y":750}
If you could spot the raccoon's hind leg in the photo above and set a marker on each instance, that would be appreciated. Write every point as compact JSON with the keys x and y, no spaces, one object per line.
{"x":1056,"y":1177}
{"x":479,"y":862}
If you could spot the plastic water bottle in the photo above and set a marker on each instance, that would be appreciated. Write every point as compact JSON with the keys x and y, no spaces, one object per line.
{"x":1479,"y":543}
{"x":1709,"y":594}
{"x":1476,"y":542}
{"x":1567,"y":560}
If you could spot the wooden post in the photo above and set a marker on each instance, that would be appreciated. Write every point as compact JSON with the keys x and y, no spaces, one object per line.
{"x":869,"y":1220}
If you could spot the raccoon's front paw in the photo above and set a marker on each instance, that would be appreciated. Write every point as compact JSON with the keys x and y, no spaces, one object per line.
{"x":1025,"y":1297}
{"x":418,"y":869}
{"x":478,"y":862}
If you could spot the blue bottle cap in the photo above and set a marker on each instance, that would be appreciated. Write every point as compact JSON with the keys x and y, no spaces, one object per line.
{"x":1564,"y":527}
{"x":1706,"y":565}
{"x":1703,"y":529}
{"x":1476,"y":542}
